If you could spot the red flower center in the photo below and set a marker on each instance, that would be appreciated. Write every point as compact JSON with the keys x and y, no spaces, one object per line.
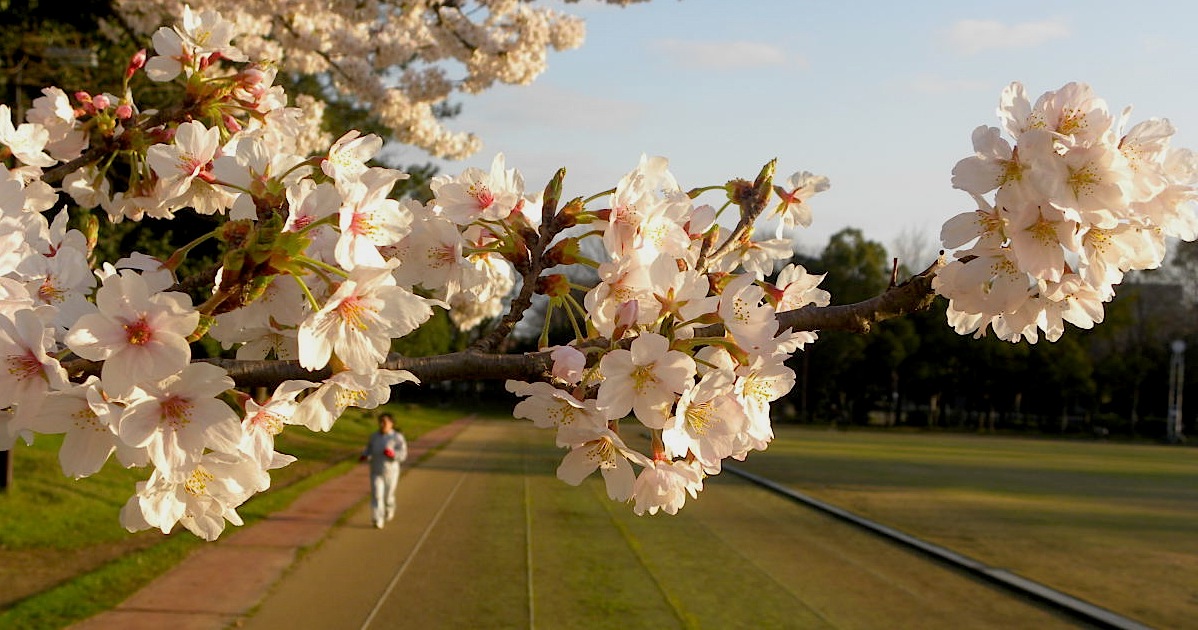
{"x":139,"y":332}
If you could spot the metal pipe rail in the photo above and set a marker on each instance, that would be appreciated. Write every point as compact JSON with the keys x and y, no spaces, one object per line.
{"x":1076,"y":608}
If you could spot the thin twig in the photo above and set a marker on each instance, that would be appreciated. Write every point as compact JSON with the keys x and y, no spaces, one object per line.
{"x":536,"y":264}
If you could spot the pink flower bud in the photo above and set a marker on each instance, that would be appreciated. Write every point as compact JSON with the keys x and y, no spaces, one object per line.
{"x":208,"y":60}
{"x":136,"y":63}
{"x":568,"y":363}
{"x":252,"y":76}
{"x":85,"y":102}
{"x":101,"y":101}
{"x":124,"y":111}
{"x":231,"y":123}
{"x":627,"y":313}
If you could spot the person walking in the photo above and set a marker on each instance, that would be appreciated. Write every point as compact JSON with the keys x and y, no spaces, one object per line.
{"x":385,"y":450}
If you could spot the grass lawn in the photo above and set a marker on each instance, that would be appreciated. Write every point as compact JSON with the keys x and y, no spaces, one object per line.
{"x":64,"y":555}
{"x":1114,"y":524}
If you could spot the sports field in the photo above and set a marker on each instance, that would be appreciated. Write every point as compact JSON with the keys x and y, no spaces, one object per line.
{"x":1114,"y":524}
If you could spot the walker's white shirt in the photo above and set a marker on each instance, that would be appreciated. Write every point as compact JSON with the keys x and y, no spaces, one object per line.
{"x":380,"y":442}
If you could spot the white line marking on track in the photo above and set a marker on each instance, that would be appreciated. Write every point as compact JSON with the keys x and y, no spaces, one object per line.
{"x":528,"y":542}
{"x":420,"y":543}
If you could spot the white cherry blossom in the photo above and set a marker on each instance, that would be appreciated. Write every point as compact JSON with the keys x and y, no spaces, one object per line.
{"x":202,"y":497}
{"x":799,"y":288}
{"x":140,"y":337}
{"x":321,"y":408}
{"x":793,"y":210}
{"x":568,"y":363}
{"x":178,"y":417}
{"x":27,"y":141}
{"x":607,"y":453}
{"x":89,"y":424}
{"x":346,"y":159}
{"x":189,"y":157}
{"x":262,"y":422}
{"x":53,"y":112}
{"x":746,"y":315}
{"x":369,"y":219}
{"x":477,"y":195}
{"x":645,"y":380}
{"x":29,"y":371}
{"x":709,"y":417}
{"x":664,"y":486}
{"x":548,"y":407}
{"x":359,"y":320}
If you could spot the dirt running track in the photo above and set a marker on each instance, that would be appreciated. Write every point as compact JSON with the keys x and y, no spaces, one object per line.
{"x":487,"y":537}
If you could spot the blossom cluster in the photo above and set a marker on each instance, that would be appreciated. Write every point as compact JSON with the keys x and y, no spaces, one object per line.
{"x":311,"y":271}
{"x":678,"y":344}
{"x":1078,"y":199}
{"x":693,"y":351}
{"x":395,"y":57}
{"x":321,"y":266}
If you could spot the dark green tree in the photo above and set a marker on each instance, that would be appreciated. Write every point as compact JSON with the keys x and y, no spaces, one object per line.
{"x":835,"y":373}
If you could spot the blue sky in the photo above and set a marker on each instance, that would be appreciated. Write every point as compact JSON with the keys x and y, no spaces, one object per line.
{"x":879,"y":96}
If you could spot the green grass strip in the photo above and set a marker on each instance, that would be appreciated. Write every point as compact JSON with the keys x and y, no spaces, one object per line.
{"x":687,"y":619}
{"x":100,"y":590}
{"x":323,"y":456}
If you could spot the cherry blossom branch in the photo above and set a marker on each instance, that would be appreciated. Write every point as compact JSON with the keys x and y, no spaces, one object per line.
{"x":457,"y":366}
{"x":911,"y":296}
{"x":752,"y":199}
{"x":55,"y":175}
{"x":378,"y":266}
{"x":536,"y":264}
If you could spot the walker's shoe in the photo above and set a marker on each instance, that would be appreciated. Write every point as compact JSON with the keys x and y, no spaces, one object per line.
{"x":390,"y":514}
{"x":378,"y":524}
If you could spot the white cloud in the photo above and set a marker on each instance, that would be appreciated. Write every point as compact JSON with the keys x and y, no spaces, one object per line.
{"x":726,"y":55}
{"x":929,"y":84}
{"x":974,"y":36}
{"x":543,"y":105}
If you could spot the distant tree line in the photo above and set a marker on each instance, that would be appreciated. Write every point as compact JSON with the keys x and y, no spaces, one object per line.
{"x":916,"y":372}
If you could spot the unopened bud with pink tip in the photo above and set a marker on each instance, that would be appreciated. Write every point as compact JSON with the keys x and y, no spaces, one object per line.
{"x":85,"y":102}
{"x":626,"y":315}
{"x":568,"y":363}
{"x":207,"y":60}
{"x":136,"y":63}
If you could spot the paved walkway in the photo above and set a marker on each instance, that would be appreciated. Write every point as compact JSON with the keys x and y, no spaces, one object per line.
{"x":487,"y":537}
{"x":219,"y":584}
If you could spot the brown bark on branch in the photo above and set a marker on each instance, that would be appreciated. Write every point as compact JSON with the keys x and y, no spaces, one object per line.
{"x":457,"y":366}
{"x":914,"y":295}
{"x":909,"y":297}
{"x":108,"y":146}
